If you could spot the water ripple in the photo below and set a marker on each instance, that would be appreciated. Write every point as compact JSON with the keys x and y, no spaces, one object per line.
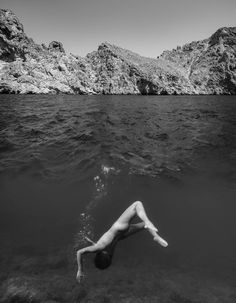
{"x":74,"y":136}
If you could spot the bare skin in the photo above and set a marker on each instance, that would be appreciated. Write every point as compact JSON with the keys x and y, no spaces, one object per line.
{"x":121,"y":226}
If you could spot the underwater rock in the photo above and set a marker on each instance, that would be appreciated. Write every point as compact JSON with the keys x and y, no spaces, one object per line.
{"x":18,"y":291}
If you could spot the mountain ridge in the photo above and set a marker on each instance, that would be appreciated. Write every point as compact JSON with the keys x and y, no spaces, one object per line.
{"x":200,"y":67}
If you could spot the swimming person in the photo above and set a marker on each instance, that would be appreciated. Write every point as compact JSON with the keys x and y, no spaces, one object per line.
{"x":120,"y":230}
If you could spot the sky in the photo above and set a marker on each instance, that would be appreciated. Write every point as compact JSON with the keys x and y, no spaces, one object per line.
{"x":144,"y":26}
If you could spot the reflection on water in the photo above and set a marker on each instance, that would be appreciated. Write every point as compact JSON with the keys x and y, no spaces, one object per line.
{"x":69,"y":165}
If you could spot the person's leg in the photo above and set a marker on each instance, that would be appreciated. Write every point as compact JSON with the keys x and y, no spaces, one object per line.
{"x":160,"y":240}
{"x":143,"y":216}
{"x":136,"y":209}
{"x":149,"y":225}
{"x":135,"y":228}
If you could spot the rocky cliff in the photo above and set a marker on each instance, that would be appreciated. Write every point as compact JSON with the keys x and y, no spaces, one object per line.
{"x":210,"y":64}
{"x":201,"y":67}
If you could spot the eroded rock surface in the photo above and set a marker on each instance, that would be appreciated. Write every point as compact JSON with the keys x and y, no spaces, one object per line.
{"x":201,"y":67}
{"x":210,"y":64}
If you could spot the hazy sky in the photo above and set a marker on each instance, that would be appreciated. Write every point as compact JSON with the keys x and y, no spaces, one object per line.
{"x":145,"y":26}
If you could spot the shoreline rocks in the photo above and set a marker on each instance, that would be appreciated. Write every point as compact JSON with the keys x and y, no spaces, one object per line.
{"x":199,"y":67}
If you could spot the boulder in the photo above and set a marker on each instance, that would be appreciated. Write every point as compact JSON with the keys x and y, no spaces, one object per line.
{"x":56,"y":46}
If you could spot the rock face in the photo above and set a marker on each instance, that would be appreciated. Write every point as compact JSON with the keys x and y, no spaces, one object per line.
{"x":201,"y":67}
{"x":13,"y":41}
{"x":56,"y":46}
{"x":210,"y":64}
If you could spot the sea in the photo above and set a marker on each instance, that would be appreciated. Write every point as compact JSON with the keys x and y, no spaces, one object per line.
{"x":70,"y":165}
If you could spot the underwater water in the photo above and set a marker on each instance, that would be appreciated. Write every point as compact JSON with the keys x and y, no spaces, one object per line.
{"x":69,"y":165}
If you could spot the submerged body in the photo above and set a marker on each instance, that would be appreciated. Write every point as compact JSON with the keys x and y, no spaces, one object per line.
{"x":121,"y":229}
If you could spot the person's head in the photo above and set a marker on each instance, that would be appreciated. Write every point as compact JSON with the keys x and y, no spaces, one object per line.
{"x":102,"y":259}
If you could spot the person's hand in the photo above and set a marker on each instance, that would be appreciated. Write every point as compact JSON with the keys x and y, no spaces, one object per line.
{"x":80,"y":276}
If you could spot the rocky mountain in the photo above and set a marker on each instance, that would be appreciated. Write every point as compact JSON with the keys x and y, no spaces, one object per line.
{"x":210,"y":64}
{"x":200,"y":67}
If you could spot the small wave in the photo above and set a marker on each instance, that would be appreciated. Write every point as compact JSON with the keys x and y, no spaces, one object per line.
{"x":209,"y":113}
{"x":154,"y":136}
{"x":36,"y":132}
{"x":87,"y":136}
{"x":31,"y":118}
{"x":59,"y":117}
{"x":6,"y":145}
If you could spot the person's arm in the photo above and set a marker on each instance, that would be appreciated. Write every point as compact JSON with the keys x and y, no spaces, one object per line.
{"x":90,"y":249}
{"x":89,"y":240}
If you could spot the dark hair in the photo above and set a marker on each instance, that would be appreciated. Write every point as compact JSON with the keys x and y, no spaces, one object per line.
{"x":102,"y":259}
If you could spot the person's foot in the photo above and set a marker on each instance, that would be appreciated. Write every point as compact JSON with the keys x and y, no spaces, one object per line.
{"x":161,"y":241}
{"x":149,"y":225}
